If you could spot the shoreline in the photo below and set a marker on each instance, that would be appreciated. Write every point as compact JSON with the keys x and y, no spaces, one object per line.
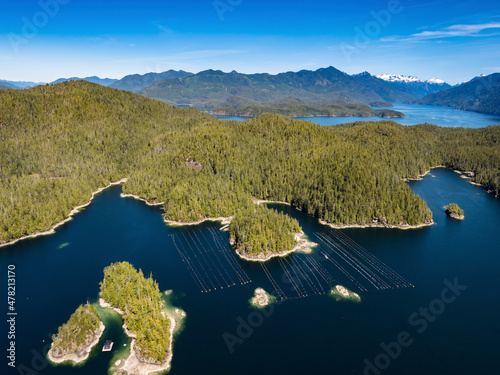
{"x":296,"y":117}
{"x":152,"y":204}
{"x":302,"y":245}
{"x":259,"y":201}
{"x":420,"y":177}
{"x":377,"y":225}
{"x":73,"y":212}
{"x":131,"y":364}
{"x":173,"y":223}
{"x":75,"y":357}
{"x":463,"y":174}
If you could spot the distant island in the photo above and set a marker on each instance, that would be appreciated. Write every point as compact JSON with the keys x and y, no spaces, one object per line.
{"x":76,"y":338}
{"x":259,"y":234}
{"x":308,"y":109}
{"x":454,"y":211}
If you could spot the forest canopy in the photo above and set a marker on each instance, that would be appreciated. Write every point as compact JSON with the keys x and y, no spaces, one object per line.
{"x":60,"y":143}
{"x":258,"y":229}
{"x":140,"y":299}
{"x":78,"y":332}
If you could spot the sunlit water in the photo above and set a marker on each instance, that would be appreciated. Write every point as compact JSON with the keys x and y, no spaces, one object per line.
{"x":313,"y":335}
{"x":414,"y":114}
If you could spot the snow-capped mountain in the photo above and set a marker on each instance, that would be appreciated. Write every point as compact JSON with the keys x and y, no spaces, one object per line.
{"x":436,"y":80}
{"x":407,"y":79}
{"x":415,"y":85}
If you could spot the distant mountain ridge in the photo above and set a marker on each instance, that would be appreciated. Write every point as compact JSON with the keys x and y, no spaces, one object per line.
{"x":7,"y":86}
{"x":93,"y":79}
{"x":387,"y":90}
{"x":213,"y":87}
{"x":20,"y":84}
{"x":480,"y":94}
{"x":136,"y":82}
{"x":415,"y":85}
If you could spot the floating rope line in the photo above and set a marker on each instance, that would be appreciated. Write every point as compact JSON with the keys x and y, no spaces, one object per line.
{"x":362,"y":268}
{"x":209,"y":260}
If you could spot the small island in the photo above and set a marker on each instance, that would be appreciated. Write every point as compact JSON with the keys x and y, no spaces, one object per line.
{"x":138,"y":300}
{"x":261,"y":298}
{"x":259,"y":233}
{"x":341,"y":293}
{"x":454,"y":211}
{"x":76,"y":338}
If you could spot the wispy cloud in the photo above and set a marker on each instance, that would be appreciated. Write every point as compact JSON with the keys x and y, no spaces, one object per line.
{"x":164,"y":29}
{"x":450,"y":32}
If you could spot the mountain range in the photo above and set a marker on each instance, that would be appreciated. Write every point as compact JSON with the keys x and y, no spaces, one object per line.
{"x":136,"y":82}
{"x":19,"y":84}
{"x":414,"y":85}
{"x":93,"y":79}
{"x":213,"y":88}
{"x":480,"y":94}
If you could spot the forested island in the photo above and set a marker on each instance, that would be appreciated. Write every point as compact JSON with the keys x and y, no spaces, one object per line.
{"x":61,"y":143}
{"x":145,"y":320}
{"x":76,"y":338}
{"x":454,"y":211}
{"x":259,"y":233}
{"x":139,"y":301}
{"x":308,"y":109}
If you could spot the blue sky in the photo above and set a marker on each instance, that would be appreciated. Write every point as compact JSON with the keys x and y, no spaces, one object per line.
{"x":42,"y":40}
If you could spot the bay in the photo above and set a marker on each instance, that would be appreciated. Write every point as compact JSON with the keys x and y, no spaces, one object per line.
{"x":314,"y":335}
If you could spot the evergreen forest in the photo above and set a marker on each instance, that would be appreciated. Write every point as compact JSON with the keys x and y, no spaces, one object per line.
{"x":59,"y":143}
{"x":140,"y":299}
{"x":258,"y":229}
{"x":78,"y":332}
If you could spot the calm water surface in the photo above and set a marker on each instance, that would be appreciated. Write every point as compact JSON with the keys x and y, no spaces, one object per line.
{"x":415,"y":114}
{"x":314,"y":335}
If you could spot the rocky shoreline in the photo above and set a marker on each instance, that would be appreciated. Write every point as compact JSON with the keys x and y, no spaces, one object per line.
{"x":70,"y":216}
{"x":223,"y":220}
{"x":261,"y":298}
{"x":378,"y":225}
{"x":302,"y":245}
{"x":132,"y":364}
{"x":76,"y":357}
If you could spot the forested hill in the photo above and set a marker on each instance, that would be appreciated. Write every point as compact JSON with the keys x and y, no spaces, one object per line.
{"x":211,"y":88}
{"x":59,"y":143}
{"x":481,"y":94}
{"x":136,"y":82}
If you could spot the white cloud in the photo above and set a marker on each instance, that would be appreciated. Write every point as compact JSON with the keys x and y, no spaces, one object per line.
{"x":449,"y":32}
{"x":164,"y":29}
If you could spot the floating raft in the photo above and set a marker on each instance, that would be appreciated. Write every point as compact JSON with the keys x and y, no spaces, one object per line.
{"x":108,"y":345}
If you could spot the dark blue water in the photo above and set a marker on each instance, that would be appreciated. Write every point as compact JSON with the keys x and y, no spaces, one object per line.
{"x":314,"y":335}
{"x":415,"y":114}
